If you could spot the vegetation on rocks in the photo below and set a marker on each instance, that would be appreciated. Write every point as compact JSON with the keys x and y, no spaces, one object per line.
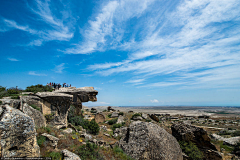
{"x":136,"y":115}
{"x":89,"y":151}
{"x":112,"y":121}
{"x":35,"y":107}
{"x":191,"y":150}
{"x":91,"y":126}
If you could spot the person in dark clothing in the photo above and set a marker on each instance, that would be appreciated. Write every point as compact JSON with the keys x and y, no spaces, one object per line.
{"x":54,"y":85}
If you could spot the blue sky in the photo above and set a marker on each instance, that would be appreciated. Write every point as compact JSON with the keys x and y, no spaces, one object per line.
{"x":134,"y":52}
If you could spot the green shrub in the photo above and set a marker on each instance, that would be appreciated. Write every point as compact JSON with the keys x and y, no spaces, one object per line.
{"x":191,"y":150}
{"x":121,"y":113}
{"x":116,"y":126}
{"x":105,"y":110}
{"x":88,"y":151}
{"x":136,"y":115}
{"x":47,"y":129}
{"x":112,"y":121}
{"x":41,"y":140}
{"x":148,"y":120}
{"x":118,"y":152}
{"x":235,"y":133}
{"x":39,"y":88}
{"x":13,"y":91}
{"x":109,"y":115}
{"x":0,"y":102}
{"x":226,"y":147}
{"x":35,"y":107}
{"x":54,"y":155}
{"x":236,"y":149}
{"x":93,"y":111}
{"x":15,"y":97}
{"x":49,"y":117}
{"x":79,"y":121}
{"x":93,"y":127}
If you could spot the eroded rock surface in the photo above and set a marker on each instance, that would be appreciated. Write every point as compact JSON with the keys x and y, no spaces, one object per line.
{"x":149,"y":141}
{"x":99,"y":118}
{"x":38,"y":117}
{"x":67,"y":155}
{"x":18,"y":134}
{"x":186,"y":132}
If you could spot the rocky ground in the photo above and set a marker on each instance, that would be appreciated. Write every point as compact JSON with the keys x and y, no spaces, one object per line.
{"x":118,"y":133}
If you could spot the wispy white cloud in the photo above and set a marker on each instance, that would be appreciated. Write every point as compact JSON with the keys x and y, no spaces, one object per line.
{"x":154,"y":101}
{"x":33,"y":73}
{"x":105,"y":29}
{"x":194,"y":36}
{"x":13,"y":59}
{"x":60,"y":29}
{"x":59,"y":68}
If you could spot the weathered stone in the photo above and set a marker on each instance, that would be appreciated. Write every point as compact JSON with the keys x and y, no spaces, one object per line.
{"x":101,"y":143}
{"x":227,"y":141}
{"x":99,"y":118}
{"x":53,"y":140}
{"x":185,"y":132}
{"x":18,"y":134}
{"x":15,"y":103}
{"x":67,"y":155}
{"x":122,"y":131}
{"x":120,"y":119}
{"x":104,"y":128}
{"x":68,"y":131}
{"x":109,"y":108}
{"x":189,"y":133}
{"x":106,"y":134}
{"x":39,"y":119}
{"x":154,"y":117}
{"x":149,"y":141}
{"x":137,"y":118}
{"x":144,"y":116}
{"x":71,"y":126}
{"x":114,"y":115}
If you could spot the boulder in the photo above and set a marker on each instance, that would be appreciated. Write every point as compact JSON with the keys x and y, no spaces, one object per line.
{"x":99,"y":118}
{"x":114,"y":115}
{"x":39,"y":119}
{"x":120,"y":119}
{"x":15,"y":103}
{"x":104,"y":128}
{"x":67,"y":155}
{"x":53,"y":140}
{"x":186,"y":132}
{"x":189,"y":133}
{"x":154,"y":117}
{"x":68,"y":131}
{"x":227,"y":141}
{"x":137,"y":118}
{"x":144,"y":116}
{"x":18,"y":134}
{"x":149,"y":141}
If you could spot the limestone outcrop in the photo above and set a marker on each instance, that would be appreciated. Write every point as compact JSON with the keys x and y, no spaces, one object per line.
{"x":149,"y":141}
{"x":18,"y":134}
{"x":189,"y":133}
{"x":228,"y":141}
{"x":39,"y":119}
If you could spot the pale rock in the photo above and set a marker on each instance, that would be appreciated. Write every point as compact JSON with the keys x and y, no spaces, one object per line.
{"x":67,"y":155}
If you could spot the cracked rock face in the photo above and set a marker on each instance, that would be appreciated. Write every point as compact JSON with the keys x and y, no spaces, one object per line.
{"x":39,"y":119}
{"x":149,"y":141}
{"x":18,"y":134}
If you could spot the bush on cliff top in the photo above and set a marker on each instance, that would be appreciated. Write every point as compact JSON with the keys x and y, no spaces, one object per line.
{"x":39,"y":88}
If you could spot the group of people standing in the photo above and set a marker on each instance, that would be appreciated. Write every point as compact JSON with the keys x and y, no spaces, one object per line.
{"x":58,"y":85}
